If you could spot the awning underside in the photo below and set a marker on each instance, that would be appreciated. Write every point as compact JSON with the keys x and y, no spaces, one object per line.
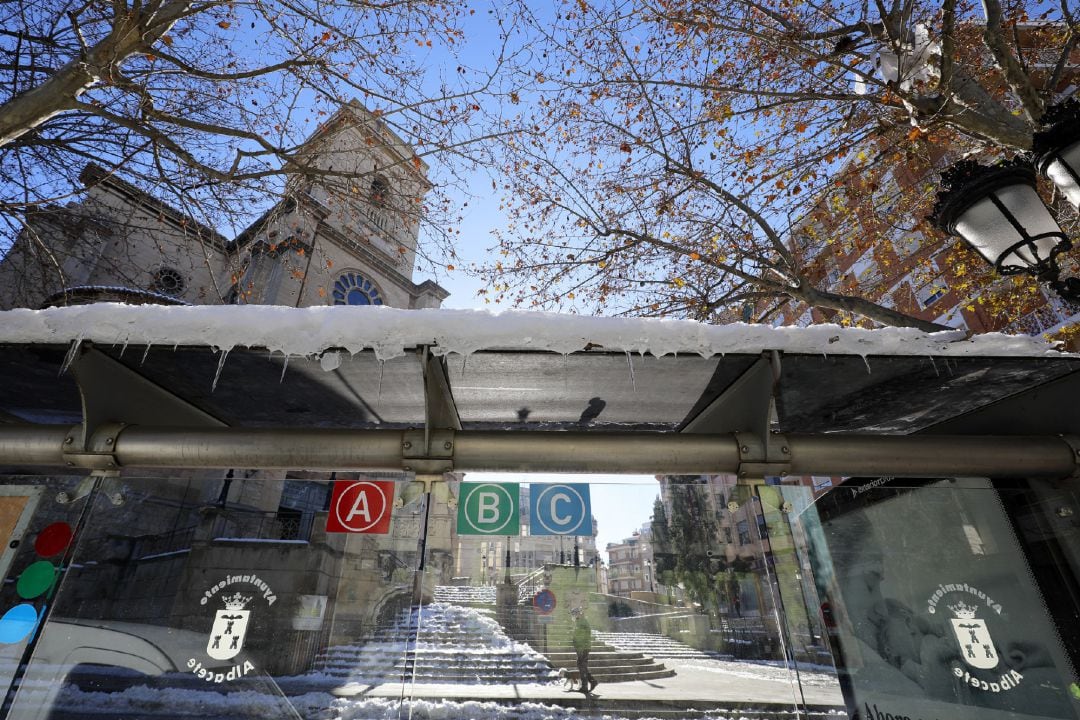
{"x":530,"y":390}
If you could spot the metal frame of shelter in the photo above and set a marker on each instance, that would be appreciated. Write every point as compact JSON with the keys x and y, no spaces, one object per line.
{"x":129,"y":421}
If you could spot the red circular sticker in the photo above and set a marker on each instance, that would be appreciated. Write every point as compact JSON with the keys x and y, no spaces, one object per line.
{"x":53,"y":539}
{"x":362,"y":506}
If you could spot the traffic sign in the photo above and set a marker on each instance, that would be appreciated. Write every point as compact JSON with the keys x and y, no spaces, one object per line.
{"x":488,"y":509}
{"x":562,"y":509}
{"x":544,"y":602}
{"x":361,"y":506}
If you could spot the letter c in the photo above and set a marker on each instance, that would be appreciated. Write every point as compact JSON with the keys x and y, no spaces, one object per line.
{"x":555,"y":516}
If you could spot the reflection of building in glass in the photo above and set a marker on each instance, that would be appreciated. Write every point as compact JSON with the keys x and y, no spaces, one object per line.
{"x":722,"y":549}
{"x":630,"y":565}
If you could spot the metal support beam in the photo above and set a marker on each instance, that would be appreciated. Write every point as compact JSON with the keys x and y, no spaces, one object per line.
{"x":114,"y":395}
{"x":568,"y":452}
{"x":745,"y":405}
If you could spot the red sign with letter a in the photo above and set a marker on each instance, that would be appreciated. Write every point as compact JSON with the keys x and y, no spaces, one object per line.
{"x":361,"y":506}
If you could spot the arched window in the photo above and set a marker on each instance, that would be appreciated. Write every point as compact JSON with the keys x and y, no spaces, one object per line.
{"x":380,"y":192}
{"x":354,"y":289}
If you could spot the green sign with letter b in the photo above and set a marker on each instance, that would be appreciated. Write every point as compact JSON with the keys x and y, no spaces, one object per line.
{"x":488,"y":509}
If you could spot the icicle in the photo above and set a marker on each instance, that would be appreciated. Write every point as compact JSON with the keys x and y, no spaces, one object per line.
{"x":464,"y":361}
{"x":72,"y":353}
{"x":220,"y":365}
{"x":284,"y":367}
{"x":123,"y":348}
{"x":630,"y":364}
{"x":936,"y":371}
{"x":867,"y":361}
{"x":382,"y":366}
{"x":145,"y":354}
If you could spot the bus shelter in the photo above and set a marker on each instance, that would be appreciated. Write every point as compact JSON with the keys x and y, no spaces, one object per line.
{"x":263,"y":511}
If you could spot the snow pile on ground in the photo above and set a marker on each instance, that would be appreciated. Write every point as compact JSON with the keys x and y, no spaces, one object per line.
{"x":809,"y":675}
{"x":148,"y":703}
{"x":390,"y":332}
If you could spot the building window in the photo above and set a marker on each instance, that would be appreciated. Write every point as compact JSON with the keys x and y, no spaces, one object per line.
{"x":380,"y":191}
{"x":931,"y":292}
{"x":744,"y":532}
{"x":866,"y":270}
{"x":354,"y":289}
{"x":906,"y":245}
{"x":379,"y":197}
{"x":168,"y":281}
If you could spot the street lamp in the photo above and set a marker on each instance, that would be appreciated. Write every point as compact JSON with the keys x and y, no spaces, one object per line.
{"x":999,"y":213}
{"x":1057,"y":148}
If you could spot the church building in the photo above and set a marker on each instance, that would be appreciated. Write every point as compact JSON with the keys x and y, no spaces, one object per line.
{"x":344,"y":233}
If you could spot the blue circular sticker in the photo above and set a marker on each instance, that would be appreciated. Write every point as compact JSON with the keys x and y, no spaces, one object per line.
{"x":17,"y":623}
{"x":544,"y":602}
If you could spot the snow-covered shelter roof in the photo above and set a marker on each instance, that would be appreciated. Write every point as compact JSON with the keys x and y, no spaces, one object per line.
{"x":366,"y":368}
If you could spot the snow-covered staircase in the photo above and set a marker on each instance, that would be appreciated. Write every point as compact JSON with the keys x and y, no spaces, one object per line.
{"x":465,"y":594}
{"x":655,"y":646}
{"x":439,"y":643}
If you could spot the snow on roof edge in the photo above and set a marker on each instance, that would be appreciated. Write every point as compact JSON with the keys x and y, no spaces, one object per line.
{"x":390,"y":332}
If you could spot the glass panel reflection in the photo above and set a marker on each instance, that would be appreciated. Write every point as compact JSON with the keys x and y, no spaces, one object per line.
{"x":932,"y":608}
{"x":199,"y":596}
{"x":259,"y":594}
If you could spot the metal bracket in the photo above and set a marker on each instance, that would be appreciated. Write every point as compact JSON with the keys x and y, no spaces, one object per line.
{"x":109,"y":485}
{"x":1073,"y":441}
{"x":747,"y":405}
{"x":97,"y":453}
{"x":113,"y":396}
{"x":427,"y":452}
{"x":759,"y":459}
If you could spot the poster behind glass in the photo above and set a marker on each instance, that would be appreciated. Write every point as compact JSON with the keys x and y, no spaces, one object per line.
{"x":931,"y":608}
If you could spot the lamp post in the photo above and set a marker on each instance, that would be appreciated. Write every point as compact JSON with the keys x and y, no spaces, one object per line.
{"x":998,"y":212}
{"x":1057,"y":148}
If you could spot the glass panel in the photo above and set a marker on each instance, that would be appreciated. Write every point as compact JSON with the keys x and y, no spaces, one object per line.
{"x":987,"y":230}
{"x":37,"y":523}
{"x":202,"y":596}
{"x":938,"y":599}
{"x":254,"y":595}
{"x":803,"y":626}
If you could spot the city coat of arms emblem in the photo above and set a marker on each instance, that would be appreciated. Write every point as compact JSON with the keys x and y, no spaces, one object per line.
{"x":976,"y":646}
{"x":230,"y":626}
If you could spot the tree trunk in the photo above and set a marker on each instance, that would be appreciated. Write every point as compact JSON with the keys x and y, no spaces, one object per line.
{"x":58,"y":93}
{"x":865,"y":308}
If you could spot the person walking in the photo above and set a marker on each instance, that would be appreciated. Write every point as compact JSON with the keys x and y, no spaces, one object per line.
{"x":582,"y":645}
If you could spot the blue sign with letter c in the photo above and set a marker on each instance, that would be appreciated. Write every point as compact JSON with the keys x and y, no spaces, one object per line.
{"x":561,"y":509}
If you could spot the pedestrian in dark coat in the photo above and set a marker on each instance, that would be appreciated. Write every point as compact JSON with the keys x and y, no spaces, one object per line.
{"x":582,"y":645}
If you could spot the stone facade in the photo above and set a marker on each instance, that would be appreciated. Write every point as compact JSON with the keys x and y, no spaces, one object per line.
{"x":344,"y":233}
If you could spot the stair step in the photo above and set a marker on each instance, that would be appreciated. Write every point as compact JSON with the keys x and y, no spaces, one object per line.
{"x":440,"y":642}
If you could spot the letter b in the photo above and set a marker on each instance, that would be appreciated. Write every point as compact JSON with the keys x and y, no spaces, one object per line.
{"x":487,"y":508}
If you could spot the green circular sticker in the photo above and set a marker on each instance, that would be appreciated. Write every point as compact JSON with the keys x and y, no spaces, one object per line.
{"x":36,"y":579}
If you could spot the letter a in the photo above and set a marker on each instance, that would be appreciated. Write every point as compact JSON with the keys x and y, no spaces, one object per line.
{"x":360,"y":507}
